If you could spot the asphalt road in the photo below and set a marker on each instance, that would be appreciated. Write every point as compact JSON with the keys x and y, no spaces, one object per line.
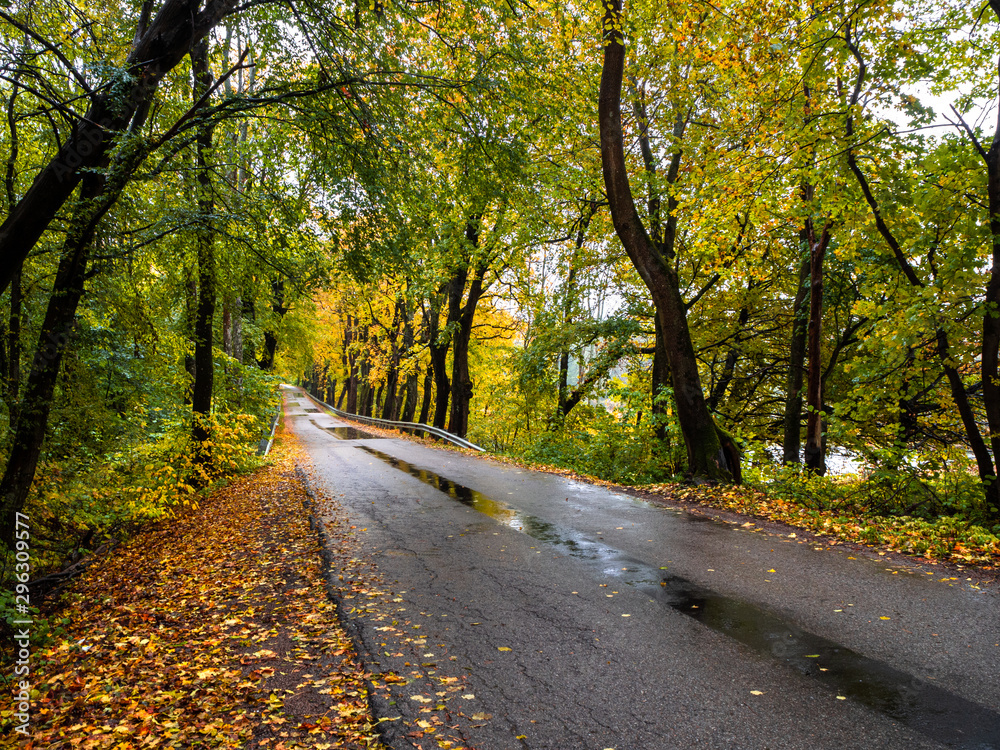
{"x":576,"y":617}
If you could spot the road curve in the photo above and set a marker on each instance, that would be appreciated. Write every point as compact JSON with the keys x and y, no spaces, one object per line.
{"x":576,"y":617}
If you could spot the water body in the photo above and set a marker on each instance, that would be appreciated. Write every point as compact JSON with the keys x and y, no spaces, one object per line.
{"x":927,"y":708}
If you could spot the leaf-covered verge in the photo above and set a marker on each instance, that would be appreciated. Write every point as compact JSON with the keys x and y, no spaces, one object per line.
{"x":211,"y":628}
{"x":87,"y":495}
{"x":946,"y":539}
{"x":75,"y":510}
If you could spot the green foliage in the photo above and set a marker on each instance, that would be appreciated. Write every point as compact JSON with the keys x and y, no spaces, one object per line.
{"x":941,"y":488}
{"x":144,"y":480}
{"x":606,"y":449}
{"x":618,"y":446}
{"x":167,"y":476}
{"x":44,"y":629}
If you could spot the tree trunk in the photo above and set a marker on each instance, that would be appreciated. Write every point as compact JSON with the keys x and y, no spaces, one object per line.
{"x":352,"y":390}
{"x":279,"y":308}
{"x":561,"y":409}
{"x":349,"y":359}
{"x":12,"y":373}
{"x":365,"y":391}
{"x":227,"y":324}
{"x":569,"y":302}
{"x":815,"y":458}
{"x":425,"y":404}
{"x":990,"y":351}
{"x":792,"y":430}
{"x":439,"y":345}
{"x":266,"y":361}
{"x":459,"y":352}
{"x":53,"y":340}
{"x":410,"y":397}
{"x":461,"y":384}
{"x":190,"y":317}
{"x":390,"y":408}
{"x":236,"y":337}
{"x":407,"y":401}
{"x":461,"y":380}
{"x":97,"y":195}
{"x":204,"y":366}
{"x":705,"y":453}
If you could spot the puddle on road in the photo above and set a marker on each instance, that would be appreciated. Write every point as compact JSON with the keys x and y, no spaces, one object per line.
{"x":924,"y":707}
{"x":352,"y":433}
{"x":348,"y":433}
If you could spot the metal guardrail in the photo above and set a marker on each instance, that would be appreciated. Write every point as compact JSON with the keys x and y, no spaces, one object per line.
{"x":414,"y":426}
{"x":264,"y":447}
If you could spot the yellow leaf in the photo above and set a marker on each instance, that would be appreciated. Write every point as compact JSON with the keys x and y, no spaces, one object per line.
{"x":502,"y":648}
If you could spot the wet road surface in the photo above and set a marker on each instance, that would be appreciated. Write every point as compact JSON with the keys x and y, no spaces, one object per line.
{"x":581,"y":618}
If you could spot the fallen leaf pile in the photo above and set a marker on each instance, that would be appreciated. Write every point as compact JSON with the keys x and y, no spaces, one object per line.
{"x":211,"y":630}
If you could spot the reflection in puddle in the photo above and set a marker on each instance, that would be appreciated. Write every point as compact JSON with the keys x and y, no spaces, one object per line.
{"x":350,"y":433}
{"x":926,"y":708}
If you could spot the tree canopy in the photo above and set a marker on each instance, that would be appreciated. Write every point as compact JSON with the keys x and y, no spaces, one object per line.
{"x":718,"y":241}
